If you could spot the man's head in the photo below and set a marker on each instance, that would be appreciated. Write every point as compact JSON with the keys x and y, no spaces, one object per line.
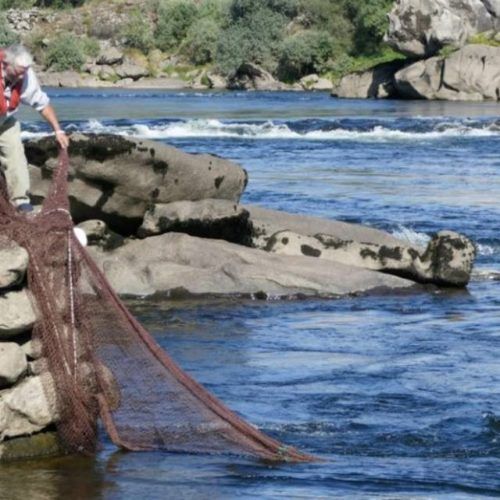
{"x":17,"y":60}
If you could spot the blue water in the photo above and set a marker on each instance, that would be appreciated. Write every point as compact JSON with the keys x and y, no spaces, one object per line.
{"x":399,"y":394}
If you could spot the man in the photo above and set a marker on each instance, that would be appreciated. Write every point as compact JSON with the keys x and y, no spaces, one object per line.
{"x":19,"y":84}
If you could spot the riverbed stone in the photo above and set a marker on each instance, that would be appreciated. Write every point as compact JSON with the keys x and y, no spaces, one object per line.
{"x":13,"y":262}
{"x":42,"y":444}
{"x":221,"y":219}
{"x":17,"y":314}
{"x":178,"y":263}
{"x":13,"y":363}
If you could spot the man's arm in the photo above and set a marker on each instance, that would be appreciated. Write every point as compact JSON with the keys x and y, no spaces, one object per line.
{"x":50,"y":115}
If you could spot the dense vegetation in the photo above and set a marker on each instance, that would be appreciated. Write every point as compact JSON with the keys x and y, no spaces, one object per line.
{"x":289,"y":38}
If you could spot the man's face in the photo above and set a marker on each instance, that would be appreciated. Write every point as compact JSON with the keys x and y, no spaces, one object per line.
{"x":14,"y":72}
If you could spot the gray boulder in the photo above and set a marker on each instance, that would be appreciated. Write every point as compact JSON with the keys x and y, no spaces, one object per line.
{"x":220,"y":219}
{"x":469,"y":74}
{"x":13,"y":363}
{"x":315,"y":82}
{"x":16,"y":314}
{"x":28,"y":407}
{"x":377,"y":82}
{"x":115,"y":179}
{"x":267,"y":222}
{"x":178,"y":263}
{"x":99,"y":234}
{"x":13,"y":262}
{"x":420,"y":28}
{"x":249,"y":76}
{"x":109,"y":56}
{"x":447,"y":260}
{"x":131,"y":70}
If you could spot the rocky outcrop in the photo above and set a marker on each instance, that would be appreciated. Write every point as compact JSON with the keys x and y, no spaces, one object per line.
{"x":469,"y":74}
{"x":219,"y":219}
{"x":178,"y":263}
{"x":315,"y":82}
{"x":420,"y":28}
{"x":377,"y":82}
{"x":115,"y":179}
{"x":446,"y":261}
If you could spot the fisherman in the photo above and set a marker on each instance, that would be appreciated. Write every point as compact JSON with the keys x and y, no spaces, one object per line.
{"x":20,"y":84}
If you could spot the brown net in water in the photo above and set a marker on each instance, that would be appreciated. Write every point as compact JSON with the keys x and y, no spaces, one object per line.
{"x":104,"y":363}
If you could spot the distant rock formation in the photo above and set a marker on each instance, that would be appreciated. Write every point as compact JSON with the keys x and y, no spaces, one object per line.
{"x":420,"y":28}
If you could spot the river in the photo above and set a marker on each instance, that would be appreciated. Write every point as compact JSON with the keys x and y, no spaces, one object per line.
{"x":398,"y":393}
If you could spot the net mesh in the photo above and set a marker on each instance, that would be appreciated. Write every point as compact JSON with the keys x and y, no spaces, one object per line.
{"x":103,"y":363}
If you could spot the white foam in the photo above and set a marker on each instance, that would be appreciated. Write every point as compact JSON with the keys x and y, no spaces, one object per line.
{"x":272,"y":130}
{"x":411,"y":237}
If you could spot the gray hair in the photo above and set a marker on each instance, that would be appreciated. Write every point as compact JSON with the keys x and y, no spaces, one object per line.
{"x":18,"y":55}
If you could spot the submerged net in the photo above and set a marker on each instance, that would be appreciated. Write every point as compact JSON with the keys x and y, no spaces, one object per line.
{"x":103,"y":363}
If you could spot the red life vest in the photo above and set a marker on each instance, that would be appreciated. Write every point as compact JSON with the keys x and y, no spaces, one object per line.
{"x":15,"y":95}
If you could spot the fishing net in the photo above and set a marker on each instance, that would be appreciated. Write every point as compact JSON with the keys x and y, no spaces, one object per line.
{"x":103,"y":363}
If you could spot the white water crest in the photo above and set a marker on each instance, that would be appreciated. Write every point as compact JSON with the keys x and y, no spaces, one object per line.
{"x":276,"y":131}
{"x":411,"y":237}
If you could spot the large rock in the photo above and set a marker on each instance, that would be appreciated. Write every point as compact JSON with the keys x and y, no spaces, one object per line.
{"x":16,"y":314}
{"x":469,"y":74}
{"x":109,"y":56}
{"x":377,"y":82}
{"x":43,"y":444}
{"x":249,"y":76}
{"x":131,"y":70}
{"x":28,"y":407}
{"x":447,"y":260}
{"x":13,"y":363}
{"x":13,"y":262}
{"x":267,"y":222}
{"x":420,"y":28}
{"x":177,"y":262}
{"x":220,"y":219}
{"x":115,"y":179}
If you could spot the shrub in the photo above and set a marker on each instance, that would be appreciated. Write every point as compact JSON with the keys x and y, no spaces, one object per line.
{"x":256,"y":38}
{"x":201,"y":41}
{"x":371,"y":23}
{"x":65,"y":52}
{"x":137,"y":32}
{"x":246,"y":8}
{"x":7,"y":36}
{"x":174,"y":19}
{"x":305,"y":53}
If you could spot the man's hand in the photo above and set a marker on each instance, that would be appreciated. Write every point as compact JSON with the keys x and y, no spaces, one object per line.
{"x":62,"y":138}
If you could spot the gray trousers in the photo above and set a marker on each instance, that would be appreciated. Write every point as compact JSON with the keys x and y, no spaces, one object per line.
{"x":13,"y":163}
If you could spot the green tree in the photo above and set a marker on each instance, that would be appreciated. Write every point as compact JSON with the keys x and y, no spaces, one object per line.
{"x":255,"y":36}
{"x":174,"y":19}
{"x":371,"y":23}
{"x":65,"y":52}
{"x":137,"y":32}
{"x":305,"y":53}
{"x":200,"y":44}
{"x":7,"y":36}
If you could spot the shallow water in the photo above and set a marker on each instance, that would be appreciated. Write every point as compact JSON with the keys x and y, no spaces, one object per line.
{"x":400,"y":394}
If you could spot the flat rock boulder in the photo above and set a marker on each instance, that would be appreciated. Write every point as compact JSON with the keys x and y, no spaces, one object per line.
{"x":420,"y":28}
{"x":115,"y":179}
{"x":13,"y":262}
{"x":377,"y":82}
{"x":220,"y":219}
{"x":178,"y":263}
{"x":447,"y":260}
{"x":28,"y":407}
{"x":16,"y":314}
{"x":267,"y":222}
{"x":469,"y":74}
